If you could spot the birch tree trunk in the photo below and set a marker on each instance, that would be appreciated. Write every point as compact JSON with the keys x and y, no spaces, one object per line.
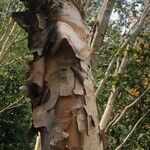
{"x":128,"y":44}
{"x":100,"y":29}
{"x":60,"y":79}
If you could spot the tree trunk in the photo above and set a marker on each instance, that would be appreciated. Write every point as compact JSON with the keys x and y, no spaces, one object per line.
{"x":60,"y":79}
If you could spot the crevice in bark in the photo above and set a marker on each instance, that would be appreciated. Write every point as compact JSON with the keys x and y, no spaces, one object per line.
{"x":60,"y":81}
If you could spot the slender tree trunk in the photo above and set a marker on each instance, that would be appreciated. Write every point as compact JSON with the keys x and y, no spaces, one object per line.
{"x":100,"y":29}
{"x":128,"y":44}
{"x":60,"y":79}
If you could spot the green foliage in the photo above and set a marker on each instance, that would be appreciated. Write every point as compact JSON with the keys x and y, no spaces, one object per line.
{"x":15,"y":121}
{"x":131,"y":85}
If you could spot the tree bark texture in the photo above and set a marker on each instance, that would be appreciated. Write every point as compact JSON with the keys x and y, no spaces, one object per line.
{"x":60,"y":80}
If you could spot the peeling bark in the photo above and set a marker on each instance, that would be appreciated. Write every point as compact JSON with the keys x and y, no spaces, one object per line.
{"x":60,"y":82}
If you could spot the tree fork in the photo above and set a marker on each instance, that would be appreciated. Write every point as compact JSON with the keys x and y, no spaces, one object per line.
{"x":60,"y":81}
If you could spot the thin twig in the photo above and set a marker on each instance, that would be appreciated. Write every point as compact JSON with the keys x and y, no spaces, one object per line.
{"x":11,"y":105}
{"x":129,"y":106}
{"x":5,"y":51}
{"x":127,"y":137}
{"x":8,"y":37}
{"x":8,"y":30}
{"x":6,"y":13}
{"x":111,"y":122}
{"x":20,"y":40}
{"x":9,"y":62}
{"x":20,"y":104}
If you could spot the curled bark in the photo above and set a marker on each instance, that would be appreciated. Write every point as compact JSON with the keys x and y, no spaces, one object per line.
{"x":60,"y":82}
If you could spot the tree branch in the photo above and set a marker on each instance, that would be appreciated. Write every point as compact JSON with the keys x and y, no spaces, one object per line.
{"x":102,"y":24}
{"x":8,"y":37}
{"x":127,"y":137}
{"x":129,"y":106}
{"x":11,"y":105}
{"x":105,"y":118}
{"x":8,"y":30}
{"x":100,"y":28}
{"x":5,"y":51}
{"x":111,"y":122}
{"x":131,"y":39}
{"x":6,"y":13}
